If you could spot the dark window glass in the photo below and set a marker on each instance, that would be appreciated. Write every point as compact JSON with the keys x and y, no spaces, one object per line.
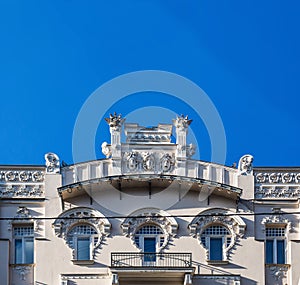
{"x":269,"y":252}
{"x":83,"y":248}
{"x":280,"y":252}
{"x":215,"y":250}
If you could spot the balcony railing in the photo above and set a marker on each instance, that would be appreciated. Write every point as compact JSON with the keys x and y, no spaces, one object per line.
{"x":149,"y":259}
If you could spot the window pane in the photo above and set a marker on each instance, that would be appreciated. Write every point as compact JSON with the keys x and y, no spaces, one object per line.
{"x":215,"y":250}
{"x":18,"y":251}
{"x":149,"y":246}
{"x":280,"y":252}
{"x":83,"y":249}
{"x":269,"y":251}
{"x":28,"y":250}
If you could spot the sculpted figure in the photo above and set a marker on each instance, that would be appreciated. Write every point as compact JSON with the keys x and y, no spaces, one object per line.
{"x":245,"y":165}
{"x":132,"y":160}
{"x":166,"y":162}
{"x":106,"y":149}
{"x":52,"y":163}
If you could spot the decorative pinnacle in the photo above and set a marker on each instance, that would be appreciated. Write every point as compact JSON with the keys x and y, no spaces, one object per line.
{"x":115,"y":121}
{"x":182,"y":121}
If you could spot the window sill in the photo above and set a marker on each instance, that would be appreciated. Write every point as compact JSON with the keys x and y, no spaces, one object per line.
{"x":278,"y":265}
{"x":22,"y":264}
{"x":217,"y":262}
{"x":83,"y":262}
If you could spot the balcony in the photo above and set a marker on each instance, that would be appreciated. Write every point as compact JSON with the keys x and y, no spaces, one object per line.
{"x":137,"y":260}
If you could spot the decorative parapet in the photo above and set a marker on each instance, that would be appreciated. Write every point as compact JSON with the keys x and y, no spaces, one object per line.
{"x":165,"y":164}
{"x":22,"y":182}
{"x":277,"y":183}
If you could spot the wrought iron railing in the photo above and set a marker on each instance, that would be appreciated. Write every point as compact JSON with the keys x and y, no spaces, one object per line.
{"x":149,"y":259}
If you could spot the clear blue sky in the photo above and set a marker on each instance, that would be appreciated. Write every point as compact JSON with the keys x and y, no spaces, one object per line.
{"x":243,"y":54}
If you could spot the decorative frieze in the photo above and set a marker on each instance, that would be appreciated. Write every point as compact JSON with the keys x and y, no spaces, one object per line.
{"x":277,"y":183}
{"x":21,"y":176}
{"x":277,"y":177}
{"x":22,"y":182}
{"x":277,"y":192}
{"x":148,"y":161}
{"x":21,"y":191}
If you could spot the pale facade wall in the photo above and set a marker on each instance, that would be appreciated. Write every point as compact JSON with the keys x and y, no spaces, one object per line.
{"x":159,"y":181}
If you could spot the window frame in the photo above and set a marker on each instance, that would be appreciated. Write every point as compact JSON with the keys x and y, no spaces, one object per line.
{"x":225,"y":238}
{"x":23,"y":238}
{"x":75,"y":237}
{"x":158,"y":242}
{"x":273,"y":240}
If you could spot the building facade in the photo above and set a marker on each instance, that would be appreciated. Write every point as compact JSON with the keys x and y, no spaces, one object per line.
{"x":149,"y":214}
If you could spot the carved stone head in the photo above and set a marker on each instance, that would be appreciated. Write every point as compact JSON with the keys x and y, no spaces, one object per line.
{"x":52,"y":163}
{"x":245,"y":165}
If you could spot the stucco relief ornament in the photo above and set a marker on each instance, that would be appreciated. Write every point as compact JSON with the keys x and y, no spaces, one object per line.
{"x":182,"y":122}
{"x":148,"y":161}
{"x":277,"y":220}
{"x":166,"y":162}
{"x":106,"y":149}
{"x":132,"y":160}
{"x":52,"y":163}
{"x":115,"y":121}
{"x":150,"y":216}
{"x":246,"y":165}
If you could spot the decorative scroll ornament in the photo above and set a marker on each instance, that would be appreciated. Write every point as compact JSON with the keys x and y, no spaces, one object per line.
{"x":150,"y":216}
{"x":82,"y":215}
{"x":245,"y":165}
{"x":233,"y":223}
{"x":52,"y":163}
{"x":182,"y":122}
{"x":115,"y":121}
{"x":148,"y":161}
{"x":106,"y":149}
{"x":166,"y":162}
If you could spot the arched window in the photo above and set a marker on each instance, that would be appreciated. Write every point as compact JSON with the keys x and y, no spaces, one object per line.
{"x":217,"y":230}
{"x":83,"y":239}
{"x":84,"y":230}
{"x":150,"y":229}
{"x":216,"y":239}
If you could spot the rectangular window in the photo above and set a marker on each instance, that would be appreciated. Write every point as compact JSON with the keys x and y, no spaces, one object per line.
{"x":275,"y":245}
{"x":149,"y":246}
{"x":83,"y":248}
{"x":216,"y":249}
{"x":24,"y":244}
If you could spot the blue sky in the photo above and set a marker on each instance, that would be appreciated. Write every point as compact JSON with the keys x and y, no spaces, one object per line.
{"x":243,"y":54}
